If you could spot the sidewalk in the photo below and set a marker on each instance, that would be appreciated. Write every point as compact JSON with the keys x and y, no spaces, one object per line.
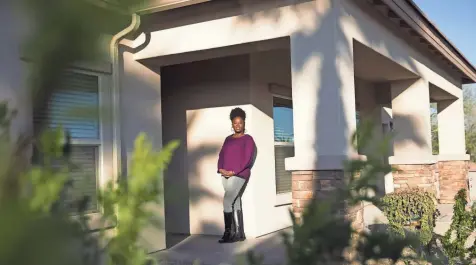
{"x":444,"y":222}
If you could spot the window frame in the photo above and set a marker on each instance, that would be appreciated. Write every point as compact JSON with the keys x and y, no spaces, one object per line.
{"x":104,"y":97}
{"x":284,"y":198}
{"x":99,"y":143}
{"x":105,"y":143}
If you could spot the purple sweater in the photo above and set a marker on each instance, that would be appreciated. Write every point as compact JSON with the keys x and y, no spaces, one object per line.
{"x":237,"y":155}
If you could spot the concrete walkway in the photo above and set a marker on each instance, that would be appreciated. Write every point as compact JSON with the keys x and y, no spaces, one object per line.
{"x":207,"y":251}
{"x":444,"y":222}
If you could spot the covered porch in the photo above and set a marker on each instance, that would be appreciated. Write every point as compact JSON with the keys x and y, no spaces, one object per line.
{"x":197,"y":95}
{"x":330,"y":60}
{"x":196,"y":98}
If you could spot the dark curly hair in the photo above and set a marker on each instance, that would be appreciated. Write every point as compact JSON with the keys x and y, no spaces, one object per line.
{"x":237,"y":112}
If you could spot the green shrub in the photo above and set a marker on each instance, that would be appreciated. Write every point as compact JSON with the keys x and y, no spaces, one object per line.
{"x":131,"y":197}
{"x":412,"y":209}
{"x":462,"y":225}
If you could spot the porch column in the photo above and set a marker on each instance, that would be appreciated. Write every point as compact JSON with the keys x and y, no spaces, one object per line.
{"x":452,"y":158}
{"x":324,"y":115}
{"x":412,"y":140}
{"x":370,"y":110}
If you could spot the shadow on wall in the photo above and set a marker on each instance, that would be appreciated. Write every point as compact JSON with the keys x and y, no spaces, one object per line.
{"x":326,"y":50}
{"x":192,"y":108}
{"x":142,"y":102}
{"x":179,"y":193}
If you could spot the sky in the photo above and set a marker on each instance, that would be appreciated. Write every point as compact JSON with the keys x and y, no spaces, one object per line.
{"x":456,"y":19}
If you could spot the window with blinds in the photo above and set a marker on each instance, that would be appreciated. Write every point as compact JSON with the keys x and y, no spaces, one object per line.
{"x":77,"y":94}
{"x":283,"y":141}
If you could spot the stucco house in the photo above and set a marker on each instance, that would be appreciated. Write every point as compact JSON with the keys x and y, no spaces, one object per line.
{"x":301,"y":69}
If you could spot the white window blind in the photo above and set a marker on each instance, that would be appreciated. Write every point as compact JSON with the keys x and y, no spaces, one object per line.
{"x":77,"y":94}
{"x":84,"y":177}
{"x":283,"y":141}
{"x":283,"y":177}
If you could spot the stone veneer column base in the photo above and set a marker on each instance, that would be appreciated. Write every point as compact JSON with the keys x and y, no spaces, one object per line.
{"x":319,"y":184}
{"x":453,"y":176}
{"x":416,"y":176}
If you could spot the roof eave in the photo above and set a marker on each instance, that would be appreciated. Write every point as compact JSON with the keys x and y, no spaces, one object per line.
{"x":408,"y":15}
{"x":168,"y":6}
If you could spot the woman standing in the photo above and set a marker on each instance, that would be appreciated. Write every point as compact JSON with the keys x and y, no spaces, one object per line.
{"x":234,"y":165}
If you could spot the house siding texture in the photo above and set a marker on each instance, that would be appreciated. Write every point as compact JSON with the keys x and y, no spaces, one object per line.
{"x":444,"y":179}
{"x":453,"y":177}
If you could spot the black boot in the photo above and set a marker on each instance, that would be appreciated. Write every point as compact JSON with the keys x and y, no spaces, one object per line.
{"x":229,"y":235}
{"x":240,"y":233}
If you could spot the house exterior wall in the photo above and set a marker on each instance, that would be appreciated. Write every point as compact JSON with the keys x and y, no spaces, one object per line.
{"x":308,"y":24}
{"x":279,"y":20}
{"x":140,"y":111}
{"x":13,"y":73}
{"x":322,"y":34}
{"x":271,"y":67}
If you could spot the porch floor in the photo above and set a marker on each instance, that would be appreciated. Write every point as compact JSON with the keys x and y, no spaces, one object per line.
{"x":207,"y":251}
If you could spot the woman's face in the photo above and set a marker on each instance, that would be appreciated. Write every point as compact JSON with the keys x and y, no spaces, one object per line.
{"x":238,"y":125}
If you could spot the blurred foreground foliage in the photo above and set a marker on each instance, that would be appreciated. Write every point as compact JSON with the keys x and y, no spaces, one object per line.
{"x":33,"y":230}
{"x":326,"y":235}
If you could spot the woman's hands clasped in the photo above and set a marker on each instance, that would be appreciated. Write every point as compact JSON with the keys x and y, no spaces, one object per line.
{"x":226,"y":173}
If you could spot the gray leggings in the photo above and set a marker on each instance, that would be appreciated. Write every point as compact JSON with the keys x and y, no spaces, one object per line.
{"x":234,"y":187}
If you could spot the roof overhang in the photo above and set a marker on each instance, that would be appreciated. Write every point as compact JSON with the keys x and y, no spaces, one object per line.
{"x":163,"y":5}
{"x":405,"y":13}
{"x":409,"y":17}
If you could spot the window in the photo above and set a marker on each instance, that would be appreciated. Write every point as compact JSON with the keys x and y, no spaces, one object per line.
{"x":283,"y":141}
{"x":78,"y":92}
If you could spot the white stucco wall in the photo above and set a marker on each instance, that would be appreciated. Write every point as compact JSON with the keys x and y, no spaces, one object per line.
{"x":272,"y":212}
{"x":13,"y":71}
{"x":140,"y":111}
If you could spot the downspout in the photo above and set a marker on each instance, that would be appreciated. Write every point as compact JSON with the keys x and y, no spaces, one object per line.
{"x":116,"y":90}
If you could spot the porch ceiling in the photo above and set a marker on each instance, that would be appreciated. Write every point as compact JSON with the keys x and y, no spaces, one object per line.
{"x":246,"y":48}
{"x":372,"y":66}
{"x":438,"y":94}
